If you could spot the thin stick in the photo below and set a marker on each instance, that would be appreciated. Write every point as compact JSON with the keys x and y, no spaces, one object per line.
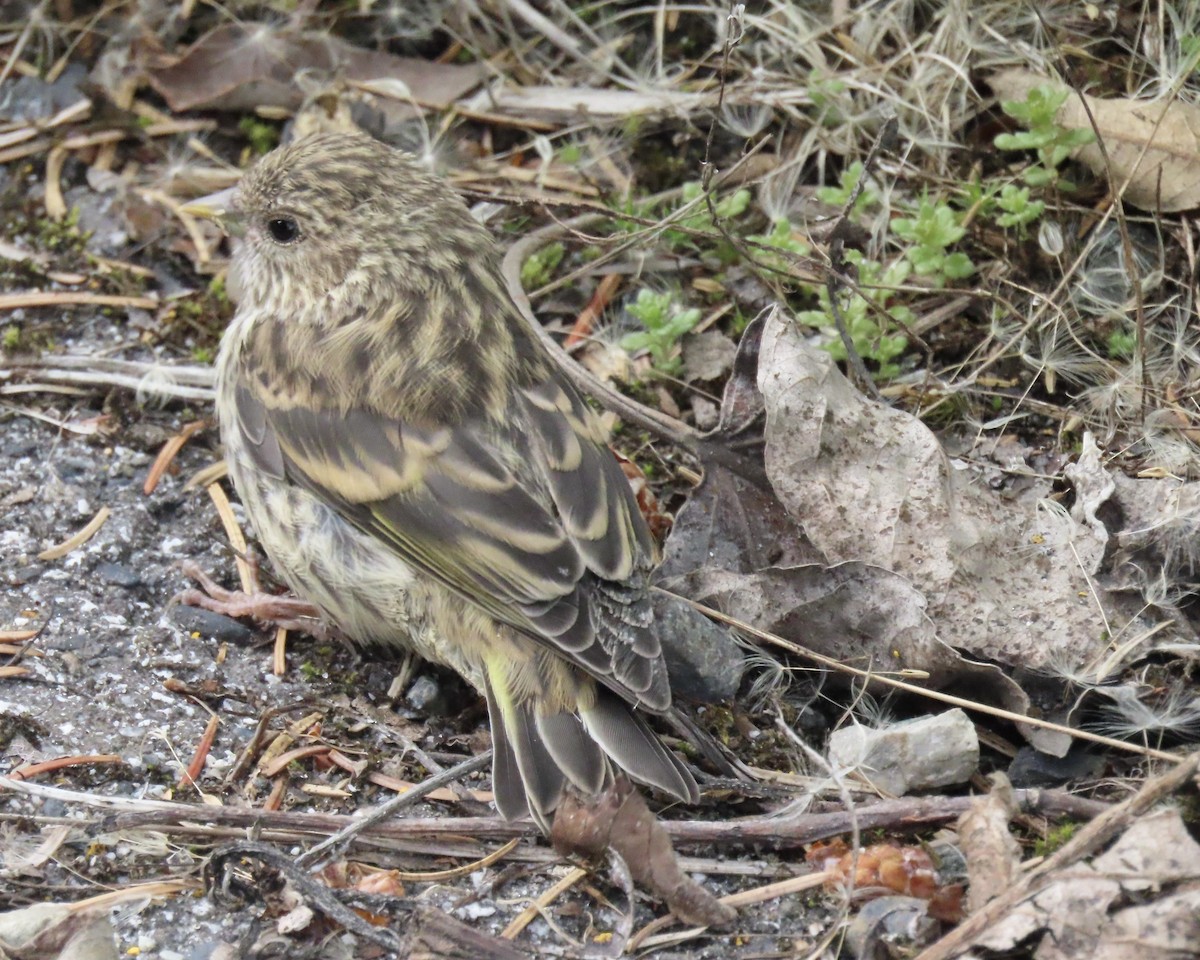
{"x":62,"y":298}
{"x":385,"y":810}
{"x":236,"y":538}
{"x":770,"y":832}
{"x":78,"y":539}
{"x":535,"y":907}
{"x":744,"y":898}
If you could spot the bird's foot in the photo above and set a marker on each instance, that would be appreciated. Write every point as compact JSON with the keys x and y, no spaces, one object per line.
{"x":291,"y":613}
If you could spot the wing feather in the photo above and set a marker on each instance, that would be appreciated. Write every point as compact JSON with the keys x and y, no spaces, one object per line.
{"x":531,"y":519}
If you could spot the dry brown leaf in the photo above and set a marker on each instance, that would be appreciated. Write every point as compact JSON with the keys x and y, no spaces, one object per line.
{"x":1082,"y":914}
{"x":742,"y":547}
{"x":1154,"y":145}
{"x":58,"y":931}
{"x":993,"y":855}
{"x":1011,"y":580}
{"x":619,"y":819}
{"x":242,"y":67}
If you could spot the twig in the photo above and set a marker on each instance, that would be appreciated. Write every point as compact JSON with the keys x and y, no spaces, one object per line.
{"x":62,"y":298}
{"x":581,"y":329}
{"x":77,"y":540}
{"x":328,"y":848}
{"x":236,"y":539}
{"x":203,"y":748}
{"x":743,"y":898}
{"x":535,"y":907}
{"x":838,"y":269}
{"x":767,"y":832}
{"x":279,"y":652}
{"x":168,"y":453}
{"x":61,"y":763}
{"x":218,"y":876}
{"x":184,"y":382}
{"x":190,"y":374}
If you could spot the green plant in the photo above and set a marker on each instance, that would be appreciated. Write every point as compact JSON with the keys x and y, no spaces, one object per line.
{"x":217,"y":290}
{"x":1055,"y":837}
{"x":263,"y":137}
{"x":1052,"y":141}
{"x":61,"y":236}
{"x":681,"y":233}
{"x":12,"y":337}
{"x":870,"y":317}
{"x":1122,"y":344}
{"x":934,"y":228}
{"x":782,"y":237}
{"x":1019,"y":209}
{"x":539,"y":268}
{"x":840,"y":195}
{"x":977,"y":198}
{"x":665,"y":323}
{"x":828,"y":97}
{"x":727,"y":207}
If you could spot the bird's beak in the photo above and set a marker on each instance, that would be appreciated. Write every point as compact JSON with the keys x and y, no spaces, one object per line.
{"x":218,"y":207}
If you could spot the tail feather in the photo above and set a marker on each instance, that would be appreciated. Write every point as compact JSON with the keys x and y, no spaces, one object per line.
{"x":529,"y":779}
{"x":508,"y":787}
{"x":573,"y":750}
{"x":535,"y":756}
{"x":635,"y":748}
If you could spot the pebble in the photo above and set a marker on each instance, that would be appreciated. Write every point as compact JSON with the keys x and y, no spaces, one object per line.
{"x":216,"y":626}
{"x":117,"y":574}
{"x":426,"y":696}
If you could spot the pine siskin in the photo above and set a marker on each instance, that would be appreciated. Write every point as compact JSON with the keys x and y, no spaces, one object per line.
{"x":415,"y":466}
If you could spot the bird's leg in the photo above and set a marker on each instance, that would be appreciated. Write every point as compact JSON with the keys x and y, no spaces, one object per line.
{"x":291,"y":613}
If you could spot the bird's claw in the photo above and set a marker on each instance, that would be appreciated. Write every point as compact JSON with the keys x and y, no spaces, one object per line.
{"x":291,"y":613}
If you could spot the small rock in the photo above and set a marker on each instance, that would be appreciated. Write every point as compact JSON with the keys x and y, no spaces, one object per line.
{"x":75,"y":641}
{"x":20,"y":447}
{"x":476,"y":910}
{"x":19,"y":576}
{"x":213,"y":950}
{"x":704,"y":661}
{"x":28,"y":99}
{"x":912,"y":755}
{"x":74,"y":466}
{"x":426,"y":696}
{"x":117,"y":574}
{"x":707,"y":413}
{"x":209,"y":624}
{"x":1032,"y":768}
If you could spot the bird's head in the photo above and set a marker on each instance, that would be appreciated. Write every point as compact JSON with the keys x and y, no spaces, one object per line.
{"x":335,"y":219}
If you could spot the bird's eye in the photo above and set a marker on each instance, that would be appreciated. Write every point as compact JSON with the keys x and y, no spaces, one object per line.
{"x":283,"y":229}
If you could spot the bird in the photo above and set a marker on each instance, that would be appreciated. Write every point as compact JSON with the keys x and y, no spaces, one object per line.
{"x":416,"y":465}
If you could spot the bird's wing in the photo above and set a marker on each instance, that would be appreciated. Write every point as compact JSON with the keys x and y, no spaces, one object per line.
{"x":548,"y":540}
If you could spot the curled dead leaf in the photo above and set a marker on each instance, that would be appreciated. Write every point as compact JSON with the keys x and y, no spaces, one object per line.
{"x":618,"y":818}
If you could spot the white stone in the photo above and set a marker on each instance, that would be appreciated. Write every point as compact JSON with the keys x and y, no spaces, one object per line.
{"x":918,"y":754}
